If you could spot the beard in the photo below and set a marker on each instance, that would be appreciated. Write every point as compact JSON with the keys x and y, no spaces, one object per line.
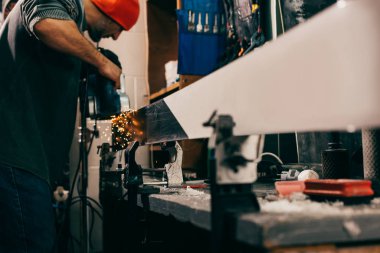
{"x":95,"y":36}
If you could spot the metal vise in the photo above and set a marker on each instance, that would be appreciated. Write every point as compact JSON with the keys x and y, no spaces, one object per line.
{"x":134,"y":172}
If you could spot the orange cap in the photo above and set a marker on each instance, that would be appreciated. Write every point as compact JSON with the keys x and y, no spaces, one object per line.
{"x":124,"y":12}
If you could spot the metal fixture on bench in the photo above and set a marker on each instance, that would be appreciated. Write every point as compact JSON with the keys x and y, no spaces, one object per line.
{"x":232,"y":172}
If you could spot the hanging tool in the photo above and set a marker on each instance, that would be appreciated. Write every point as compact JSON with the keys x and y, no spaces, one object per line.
{"x":215,"y":28}
{"x":190,"y":24}
{"x":206,"y":27}
{"x":199,"y":25}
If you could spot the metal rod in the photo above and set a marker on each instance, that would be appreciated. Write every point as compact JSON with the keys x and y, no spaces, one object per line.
{"x":84,"y":175}
{"x":156,"y":183}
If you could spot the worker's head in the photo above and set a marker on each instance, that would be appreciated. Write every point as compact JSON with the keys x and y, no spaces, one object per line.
{"x":108,"y":18}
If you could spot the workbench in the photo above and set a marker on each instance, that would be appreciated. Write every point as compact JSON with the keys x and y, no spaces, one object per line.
{"x":282,"y":223}
{"x":309,"y":79}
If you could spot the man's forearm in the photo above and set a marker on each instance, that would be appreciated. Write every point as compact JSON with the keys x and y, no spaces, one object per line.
{"x":64,"y":36}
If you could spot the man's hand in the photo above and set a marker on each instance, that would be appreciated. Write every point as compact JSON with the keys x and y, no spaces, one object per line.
{"x":64,"y":36}
{"x":111,"y":71}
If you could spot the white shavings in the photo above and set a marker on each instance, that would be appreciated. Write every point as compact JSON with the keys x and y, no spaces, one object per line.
{"x":304,"y":206}
{"x":298,"y":196}
{"x":188,"y":192}
{"x":317,"y":208}
{"x":191,"y":192}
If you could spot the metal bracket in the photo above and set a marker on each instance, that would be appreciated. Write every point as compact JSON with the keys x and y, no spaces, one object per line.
{"x":107,"y":157}
{"x":110,"y":183}
{"x":133,"y":171}
{"x":231,"y":176}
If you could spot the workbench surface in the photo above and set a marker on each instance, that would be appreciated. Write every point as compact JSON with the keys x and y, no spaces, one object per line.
{"x":281,"y":222}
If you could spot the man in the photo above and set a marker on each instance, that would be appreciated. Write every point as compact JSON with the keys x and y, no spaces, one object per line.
{"x":41,"y":47}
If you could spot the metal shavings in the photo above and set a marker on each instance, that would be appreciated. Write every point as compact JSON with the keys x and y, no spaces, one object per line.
{"x":125,"y":128}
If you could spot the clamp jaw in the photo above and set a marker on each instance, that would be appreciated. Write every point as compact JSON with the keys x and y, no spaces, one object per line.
{"x":174,"y":167}
{"x":234,"y":156}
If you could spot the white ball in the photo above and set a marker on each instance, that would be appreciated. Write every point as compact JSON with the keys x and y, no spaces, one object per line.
{"x":308,"y":174}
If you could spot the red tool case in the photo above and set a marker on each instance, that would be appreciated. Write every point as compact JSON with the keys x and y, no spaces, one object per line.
{"x":327,"y":187}
{"x":338,"y":187}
